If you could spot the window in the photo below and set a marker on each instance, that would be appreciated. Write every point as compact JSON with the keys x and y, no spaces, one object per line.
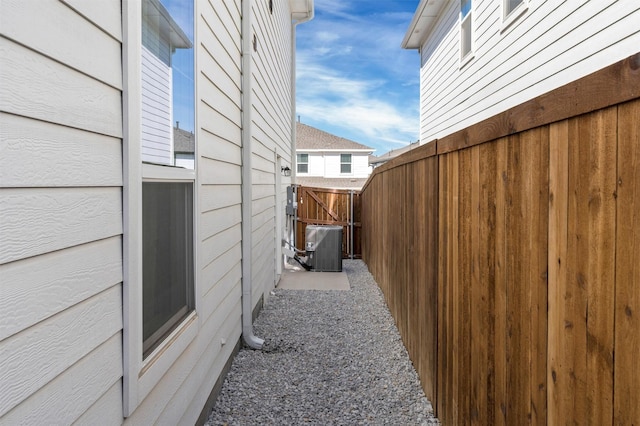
{"x":168,"y":83}
{"x":303,"y":163}
{"x":510,"y":6}
{"x":168,"y":139}
{"x":167,"y":252}
{"x":465,"y":28}
{"x":512,"y":10}
{"x":159,"y":141}
{"x":345,"y":163}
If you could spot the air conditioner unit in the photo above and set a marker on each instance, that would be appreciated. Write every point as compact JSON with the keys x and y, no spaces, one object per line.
{"x":324,"y":248}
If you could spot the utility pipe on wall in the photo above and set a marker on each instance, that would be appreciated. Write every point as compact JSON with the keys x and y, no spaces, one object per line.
{"x":247,"y":194}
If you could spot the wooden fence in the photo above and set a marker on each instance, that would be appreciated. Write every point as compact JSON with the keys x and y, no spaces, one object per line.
{"x":322,"y":206}
{"x":509,"y":255}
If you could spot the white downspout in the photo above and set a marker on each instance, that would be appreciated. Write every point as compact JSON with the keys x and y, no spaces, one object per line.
{"x":294,"y":171}
{"x":250,"y":339}
{"x":295,"y":23}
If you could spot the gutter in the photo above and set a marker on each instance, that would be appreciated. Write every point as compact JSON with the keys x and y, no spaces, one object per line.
{"x":250,"y":339}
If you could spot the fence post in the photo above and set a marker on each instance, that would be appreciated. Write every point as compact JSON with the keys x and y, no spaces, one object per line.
{"x":351,"y":224}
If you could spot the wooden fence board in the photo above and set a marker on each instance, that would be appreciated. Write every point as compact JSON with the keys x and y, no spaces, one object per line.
{"x":537,"y":278}
{"x":537,"y":142}
{"x":601,"y":268}
{"x":500,"y":294}
{"x":627,"y":300}
{"x":447,"y":275}
{"x":558,"y":390}
{"x":321,"y":206}
{"x":461,"y":292}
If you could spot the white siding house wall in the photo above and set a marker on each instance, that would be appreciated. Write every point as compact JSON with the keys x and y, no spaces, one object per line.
{"x":316,"y":164}
{"x":61,"y":211}
{"x":549,"y":45}
{"x":61,"y":204}
{"x":157,"y":127}
{"x":332,"y":165}
{"x":180,"y":395}
{"x":271,"y":138}
{"x":327,"y":164}
{"x":360,"y":165}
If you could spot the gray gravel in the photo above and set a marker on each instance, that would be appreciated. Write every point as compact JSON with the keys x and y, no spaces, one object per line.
{"x":330,"y":358}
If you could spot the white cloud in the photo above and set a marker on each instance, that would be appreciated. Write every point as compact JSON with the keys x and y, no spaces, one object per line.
{"x":329,"y":97}
{"x":353,"y":76}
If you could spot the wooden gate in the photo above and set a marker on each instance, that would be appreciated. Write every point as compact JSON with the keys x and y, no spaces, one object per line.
{"x":322,"y":206}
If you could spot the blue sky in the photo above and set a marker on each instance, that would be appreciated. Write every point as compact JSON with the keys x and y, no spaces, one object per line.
{"x":353,"y":78}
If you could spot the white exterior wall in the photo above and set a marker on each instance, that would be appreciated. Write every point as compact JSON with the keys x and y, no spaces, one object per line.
{"x":327,"y":164}
{"x":157,"y":101}
{"x":61,"y":211}
{"x":61,"y":204}
{"x":360,"y":165}
{"x":548,"y":46}
{"x":271,"y":139}
{"x":316,"y":164}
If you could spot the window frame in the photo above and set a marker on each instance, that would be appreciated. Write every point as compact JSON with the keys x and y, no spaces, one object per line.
{"x":465,"y":19}
{"x":160,"y":335}
{"x":142,"y":374}
{"x":509,"y":18}
{"x":343,"y":163}
{"x":302,"y":163}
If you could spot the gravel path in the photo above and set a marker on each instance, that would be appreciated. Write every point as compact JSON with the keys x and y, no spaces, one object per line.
{"x":330,"y":358}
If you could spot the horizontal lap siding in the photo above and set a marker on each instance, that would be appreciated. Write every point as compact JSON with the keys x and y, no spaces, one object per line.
{"x":537,"y":270}
{"x":61,"y":204}
{"x":271,"y":138}
{"x":157,"y":98}
{"x":181,"y":394}
{"x":553,"y":45}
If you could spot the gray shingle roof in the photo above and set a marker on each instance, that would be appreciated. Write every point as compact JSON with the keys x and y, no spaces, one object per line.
{"x":308,"y":137}
{"x":383,"y":158}
{"x":183,"y":141}
{"x":331,"y":183}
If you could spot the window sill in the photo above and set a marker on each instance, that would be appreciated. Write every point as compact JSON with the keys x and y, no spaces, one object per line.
{"x":156,"y":172}
{"x":466,"y":59}
{"x":163,"y":357}
{"x":515,"y":14}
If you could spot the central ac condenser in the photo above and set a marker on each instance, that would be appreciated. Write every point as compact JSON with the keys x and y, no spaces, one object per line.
{"x":324,"y":248}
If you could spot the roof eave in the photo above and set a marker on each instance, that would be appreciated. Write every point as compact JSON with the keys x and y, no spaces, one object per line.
{"x":301,"y":10}
{"x":425,"y":18}
{"x":168,"y":26}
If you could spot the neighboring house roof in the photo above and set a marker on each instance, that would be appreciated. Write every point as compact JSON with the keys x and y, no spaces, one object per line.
{"x":332,"y":183}
{"x":381,"y":159}
{"x":311,"y":139}
{"x":183,"y":141}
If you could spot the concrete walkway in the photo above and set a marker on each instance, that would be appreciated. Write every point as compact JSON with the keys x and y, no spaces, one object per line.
{"x":296,"y":278}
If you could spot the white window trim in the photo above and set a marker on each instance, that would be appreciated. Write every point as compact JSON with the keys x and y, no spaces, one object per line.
{"x":307,"y":163}
{"x":140,"y":375}
{"x":350,"y":163}
{"x":508,"y":20}
{"x":465,"y":59}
